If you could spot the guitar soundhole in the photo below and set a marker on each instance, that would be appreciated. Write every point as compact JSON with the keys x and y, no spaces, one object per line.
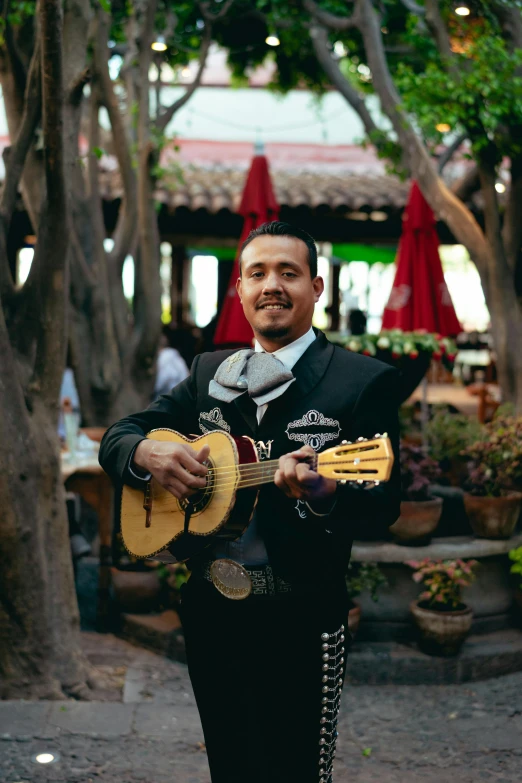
{"x":202,"y":497}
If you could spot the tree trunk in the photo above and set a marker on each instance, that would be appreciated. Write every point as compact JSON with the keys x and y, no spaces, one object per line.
{"x":40,"y":653}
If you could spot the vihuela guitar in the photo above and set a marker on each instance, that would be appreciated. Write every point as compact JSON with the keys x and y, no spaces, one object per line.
{"x":153,"y":520}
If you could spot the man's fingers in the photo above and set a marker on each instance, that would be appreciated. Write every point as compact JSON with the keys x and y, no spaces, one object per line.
{"x":191,"y":461}
{"x":305,"y":475}
{"x":203,"y":453}
{"x":176,"y":488}
{"x":188,"y":478}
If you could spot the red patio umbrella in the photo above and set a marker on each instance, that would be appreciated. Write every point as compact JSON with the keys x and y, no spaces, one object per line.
{"x":258,"y":205}
{"x":420,"y":298}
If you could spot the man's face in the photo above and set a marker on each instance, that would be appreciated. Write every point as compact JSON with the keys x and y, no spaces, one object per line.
{"x":276,"y":289}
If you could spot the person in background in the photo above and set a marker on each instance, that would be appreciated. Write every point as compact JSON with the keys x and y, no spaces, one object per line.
{"x":171,"y":367}
{"x":357,"y":322}
{"x":80,"y":547}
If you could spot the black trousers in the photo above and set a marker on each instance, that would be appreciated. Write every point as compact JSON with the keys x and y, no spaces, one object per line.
{"x":267,"y":676}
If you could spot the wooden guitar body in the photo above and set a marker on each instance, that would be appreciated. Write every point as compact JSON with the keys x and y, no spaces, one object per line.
{"x":155,"y":520}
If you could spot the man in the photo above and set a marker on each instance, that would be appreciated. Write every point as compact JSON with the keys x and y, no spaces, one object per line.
{"x":267,"y":671}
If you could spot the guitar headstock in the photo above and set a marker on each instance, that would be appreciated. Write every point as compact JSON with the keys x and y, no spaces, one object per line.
{"x":366,"y":460}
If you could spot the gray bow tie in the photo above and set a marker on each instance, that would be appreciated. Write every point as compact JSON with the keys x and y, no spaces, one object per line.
{"x":260,"y":374}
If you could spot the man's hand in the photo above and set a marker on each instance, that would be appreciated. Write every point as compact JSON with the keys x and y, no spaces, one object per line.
{"x":297,"y":479}
{"x":176,"y":466}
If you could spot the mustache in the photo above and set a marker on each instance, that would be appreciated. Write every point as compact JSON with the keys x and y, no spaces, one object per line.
{"x":273,"y":301}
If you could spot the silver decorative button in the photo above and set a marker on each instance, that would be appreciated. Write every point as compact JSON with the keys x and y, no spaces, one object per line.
{"x":325,"y":637}
{"x":242,"y":382}
{"x":326,"y":657}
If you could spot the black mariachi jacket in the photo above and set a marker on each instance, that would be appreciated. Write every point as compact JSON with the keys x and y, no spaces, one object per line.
{"x":337,"y":395}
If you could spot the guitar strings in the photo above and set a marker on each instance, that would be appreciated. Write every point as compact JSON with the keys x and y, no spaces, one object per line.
{"x":249,"y":483}
{"x":253,"y":468}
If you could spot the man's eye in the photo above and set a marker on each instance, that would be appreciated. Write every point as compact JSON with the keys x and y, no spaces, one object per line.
{"x":290,"y":274}
{"x":257,"y":274}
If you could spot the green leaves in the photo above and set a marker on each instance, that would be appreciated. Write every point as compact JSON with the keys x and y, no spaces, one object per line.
{"x":106,"y":5}
{"x":444,"y":580}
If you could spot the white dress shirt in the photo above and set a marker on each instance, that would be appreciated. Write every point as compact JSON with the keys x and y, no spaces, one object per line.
{"x":288,"y":355}
{"x":250,"y":548}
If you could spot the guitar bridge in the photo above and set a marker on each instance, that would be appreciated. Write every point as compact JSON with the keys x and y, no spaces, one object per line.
{"x":147,"y":504}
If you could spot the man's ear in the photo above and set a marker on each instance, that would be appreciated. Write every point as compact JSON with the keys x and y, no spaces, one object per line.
{"x":238,"y":288}
{"x":318,"y":286}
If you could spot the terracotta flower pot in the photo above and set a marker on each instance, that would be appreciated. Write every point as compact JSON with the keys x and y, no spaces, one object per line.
{"x":493,"y":517}
{"x":354,"y":619}
{"x":417,"y":522}
{"x":441,"y":633}
{"x":136,"y":591}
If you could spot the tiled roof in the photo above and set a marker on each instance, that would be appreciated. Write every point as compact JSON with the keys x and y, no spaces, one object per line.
{"x":215,"y":188}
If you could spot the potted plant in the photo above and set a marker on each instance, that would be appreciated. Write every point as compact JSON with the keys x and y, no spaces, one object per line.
{"x":420,"y":512}
{"x":449,"y":434}
{"x":493,"y":499}
{"x":443,"y":620}
{"x":516,"y":556}
{"x":410,"y":352}
{"x":171,"y":578}
{"x":362,"y":577}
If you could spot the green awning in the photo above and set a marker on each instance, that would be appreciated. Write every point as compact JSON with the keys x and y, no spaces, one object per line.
{"x":371,"y":254}
{"x":221,"y":253}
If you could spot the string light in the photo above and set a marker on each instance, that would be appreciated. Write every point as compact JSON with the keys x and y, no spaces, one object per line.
{"x":272,"y":40}
{"x":443,"y":127}
{"x":462,"y":10}
{"x":500,"y":187}
{"x":159,"y":45}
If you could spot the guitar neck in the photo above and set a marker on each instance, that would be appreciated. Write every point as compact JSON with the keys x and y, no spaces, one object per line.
{"x":258,"y":473}
{"x":254,"y":474}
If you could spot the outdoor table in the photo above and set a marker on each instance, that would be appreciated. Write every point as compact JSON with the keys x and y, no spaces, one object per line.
{"x":84,"y":476}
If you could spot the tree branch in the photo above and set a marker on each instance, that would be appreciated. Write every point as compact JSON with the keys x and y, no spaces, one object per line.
{"x":512,"y":228}
{"x":330,"y":20}
{"x":438,"y":29}
{"x":76,"y":88}
{"x":169,"y":113}
{"x":444,"y":203}
{"x":450,"y":151}
{"x":465,"y":187}
{"x":330,"y":66}
{"x":52,"y":239}
{"x":413,"y":8}
{"x":127,"y":220}
{"x":204,"y":6}
{"x":14,"y":163}
{"x":511,"y":21}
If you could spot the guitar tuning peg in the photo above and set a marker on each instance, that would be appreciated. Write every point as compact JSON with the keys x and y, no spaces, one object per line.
{"x":359,"y":440}
{"x":377,"y":435}
{"x":376,"y":483}
{"x":343,"y":481}
{"x":344,"y":442}
{"x":360,"y":481}
{"x":384,"y":434}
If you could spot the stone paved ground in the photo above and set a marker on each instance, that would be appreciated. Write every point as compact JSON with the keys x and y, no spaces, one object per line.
{"x":147,"y":729}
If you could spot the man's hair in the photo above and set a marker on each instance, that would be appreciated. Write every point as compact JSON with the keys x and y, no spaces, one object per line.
{"x":278,"y":229}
